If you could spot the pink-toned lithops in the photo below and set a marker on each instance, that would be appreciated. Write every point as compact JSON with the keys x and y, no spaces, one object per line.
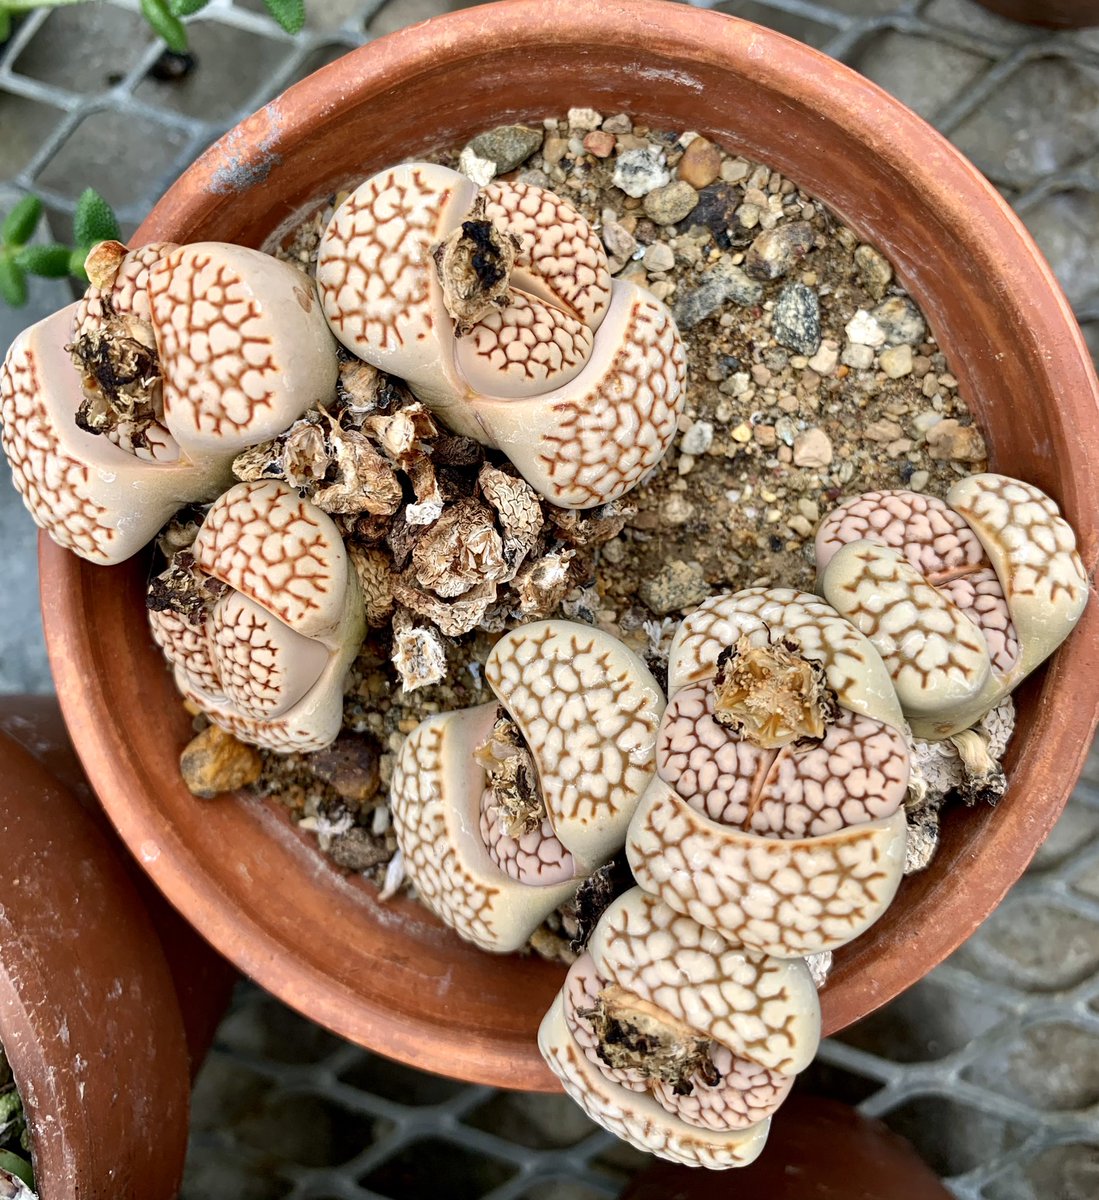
{"x":120,"y":409}
{"x":962,"y":597}
{"x":262,"y":617}
{"x":501,"y":810}
{"x":498,"y":309}
{"x":776,"y":817}
{"x":677,"y":1040}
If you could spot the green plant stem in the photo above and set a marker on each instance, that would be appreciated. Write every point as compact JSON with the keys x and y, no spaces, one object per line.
{"x":21,"y":6}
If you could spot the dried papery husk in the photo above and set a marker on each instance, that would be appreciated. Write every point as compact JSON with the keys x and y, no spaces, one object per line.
{"x":511,"y":778}
{"x":365,"y":481}
{"x":306,"y":456}
{"x":542,"y":585}
{"x":475,"y":263}
{"x":460,"y":551}
{"x":375,"y":573}
{"x":418,"y":653}
{"x":772,"y":695}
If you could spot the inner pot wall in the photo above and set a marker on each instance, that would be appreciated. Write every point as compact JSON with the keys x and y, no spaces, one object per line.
{"x":389,"y":976}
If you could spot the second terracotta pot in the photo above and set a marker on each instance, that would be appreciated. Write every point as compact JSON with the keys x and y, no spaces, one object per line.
{"x":388,"y":975}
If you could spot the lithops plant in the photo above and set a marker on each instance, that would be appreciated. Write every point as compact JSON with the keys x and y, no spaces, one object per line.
{"x":498,"y":309}
{"x":678,"y":1041}
{"x":262,"y":617}
{"x":776,"y":816}
{"x":501,"y":810}
{"x":122,"y":408}
{"x":963,"y":598}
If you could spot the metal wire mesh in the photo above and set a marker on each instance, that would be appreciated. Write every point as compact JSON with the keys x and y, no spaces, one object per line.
{"x":991,"y":1065}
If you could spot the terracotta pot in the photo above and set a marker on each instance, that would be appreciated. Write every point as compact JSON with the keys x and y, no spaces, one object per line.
{"x":88,"y":1011}
{"x":1058,"y":14}
{"x":818,"y":1150}
{"x":388,"y":976}
{"x":203,"y":979}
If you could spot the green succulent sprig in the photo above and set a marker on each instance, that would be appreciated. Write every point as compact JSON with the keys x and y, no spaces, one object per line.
{"x":93,"y":222}
{"x":165,"y":16}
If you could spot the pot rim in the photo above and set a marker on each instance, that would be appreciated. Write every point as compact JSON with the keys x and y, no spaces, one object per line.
{"x":244,"y":157}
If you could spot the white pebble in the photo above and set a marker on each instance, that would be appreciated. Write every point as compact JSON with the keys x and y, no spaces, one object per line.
{"x":864,"y":330}
{"x":698,"y":439}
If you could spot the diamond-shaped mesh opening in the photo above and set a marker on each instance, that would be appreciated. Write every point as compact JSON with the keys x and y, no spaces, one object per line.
{"x":266,"y":1029}
{"x":795,"y":25}
{"x":1044,"y":118}
{"x":241,"y":61}
{"x":532,"y":1119}
{"x":144,"y":156}
{"x":927,"y":1023}
{"x":396,"y":1082}
{"x":429,"y":1166}
{"x":1023,"y":1068}
{"x":923,"y":72}
{"x":24,"y":125}
{"x":1063,"y":225}
{"x":1035,"y":945}
{"x":1068,"y":1172}
{"x":823,"y":1078}
{"x":951,"y":1137}
{"x":111,"y":41}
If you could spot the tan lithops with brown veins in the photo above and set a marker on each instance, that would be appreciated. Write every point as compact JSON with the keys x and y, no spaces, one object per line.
{"x":783,"y":764}
{"x":120,"y":409}
{"x":677,"y":1040}
{"x":501,"y":810}
{"x":498,"y":308}
{"x":262,"y":618}
{"x":962,"y":597}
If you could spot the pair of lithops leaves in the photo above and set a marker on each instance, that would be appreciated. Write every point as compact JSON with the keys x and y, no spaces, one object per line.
{"x":261,"y":617}
{"x":501,"y":810}
{"x":963,"y":598}
{"x":497,"y":307}
{"x":122,"y":408}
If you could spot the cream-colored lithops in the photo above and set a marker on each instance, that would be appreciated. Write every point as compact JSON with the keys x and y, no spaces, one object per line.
{"x":776,"y":816}
{"x":963,"y":597}
{"x":120,"y":409}
{"x":498,"y":308}
{"x":262,"y":617}
{"x":501,"y":810}
{"x":677,"y":1040}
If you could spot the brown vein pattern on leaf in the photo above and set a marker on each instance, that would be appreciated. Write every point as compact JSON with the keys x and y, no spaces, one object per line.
{"x":210,"y":327}
{"x":53,"y":484}
{"x":583,"y":714}
{"x":419,"y":814}
{"x":378,"y":297}
{"x":786,"y":898}
{"x":606,"y":440}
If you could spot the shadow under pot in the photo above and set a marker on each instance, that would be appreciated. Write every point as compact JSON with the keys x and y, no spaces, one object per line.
{"x":389,"y":975}
{"x":90,"y":1017}
{"x":1057,"y":14}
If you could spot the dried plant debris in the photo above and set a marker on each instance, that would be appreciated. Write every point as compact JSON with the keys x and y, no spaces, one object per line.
{"x":812,"y":376}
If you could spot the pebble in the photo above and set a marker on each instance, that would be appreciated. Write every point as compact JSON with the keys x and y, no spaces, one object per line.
{"x":700,"y":164}
{"x":677,"y":509}
{"x":554,"y":149}
{"x":919,"y":480}
{"x":659,"y":257}
{"x":796,"y":319}
{"x":800,"y":526}
{"x":723,"y":281}
{"x":825,"y":360}
{"x":481,"y":170}
{"x":717,"y":205}
{"x":697,"y":439}
{"x":600,"y":143}
{"x":883,"y":431}
{"x":670,"y":204}
{"x":507,"y":145}
{"x":215,"y":762}
{"x":619,"y":123}
{"x":675,"y":586}
{"x":896,"y":361}
{"x":873,"y":269}
{"x":584,"y":118}
{"x":950,"y":440}
{"x":900,"y":320}
{"x":861,"y":358}
{"x":619,"y":241}
{"x":638,"y":172}
{"x":775,"y":251}
{"x":926,"y":420}
{"x":748,"y":215}
{"x":813,"y":448}
{"x":350,"y":765}
{"x":809,"y":509}
{"x":864,"y":330}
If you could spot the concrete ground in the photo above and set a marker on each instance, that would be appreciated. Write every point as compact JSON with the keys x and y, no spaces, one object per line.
{"x":991,"y":1065}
